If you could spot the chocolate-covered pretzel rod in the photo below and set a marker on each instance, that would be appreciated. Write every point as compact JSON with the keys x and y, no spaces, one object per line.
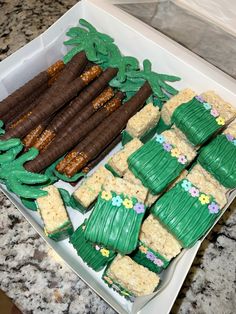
{"x":64,"y":117}
{"x":32,"y":137}
{"x":23,"y":106}
{"x":86,"y":132}
{"x":61,"y":92}
{"x":61,"y":123}
{"x":31,"y":86}
{"x":60,"y":146}
{"x":103,"y":154}
{"x":108,"y":130}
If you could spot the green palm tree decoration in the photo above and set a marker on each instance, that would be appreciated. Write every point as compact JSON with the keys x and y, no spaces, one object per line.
{"x":13,"y":173}
{"x":157,"y":81}
{"x":87,"y":39}
{"x":124,"y":64}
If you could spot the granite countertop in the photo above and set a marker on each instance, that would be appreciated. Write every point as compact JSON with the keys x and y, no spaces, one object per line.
{"x":36,"y":279}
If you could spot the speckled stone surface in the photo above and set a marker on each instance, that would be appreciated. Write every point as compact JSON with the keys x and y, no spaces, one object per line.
{"x":36,"y":279}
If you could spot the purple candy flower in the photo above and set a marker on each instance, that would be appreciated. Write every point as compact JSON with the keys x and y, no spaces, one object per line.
{"x":199,"y":98}
{"x":158,"y":262}
{"x":139,"y":208}
{"x":117,"y":201}
{"x":150,"y":256}
{"x":229,"y":137}
{"x":167,"y":147}
{"x":182,"y":159}
{"x":213,"y":208}
{"x":194,"y":192}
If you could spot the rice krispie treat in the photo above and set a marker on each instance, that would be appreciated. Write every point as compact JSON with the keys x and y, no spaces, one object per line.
{"x":219,"y":157}
{"x":142,"y":125}
{"x":151,"y":198}
{"x":129,"y":278}
{"x":93,"y":255}
{"x":187,"y":210}
{"x":204,"y":181}
{"x":129,"y":176}
{"x":88,"y":191}
{"x":161,"y":160}
{"x":57,"y":224}
{"x":117,"y":216}
{"x":202,"y":117}
{"x":169,"y":107}
{"x":118,"y":162}
{"x":157,"y":246}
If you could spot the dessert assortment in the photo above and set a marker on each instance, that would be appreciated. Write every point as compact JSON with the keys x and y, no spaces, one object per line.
{"x":160,"y":193}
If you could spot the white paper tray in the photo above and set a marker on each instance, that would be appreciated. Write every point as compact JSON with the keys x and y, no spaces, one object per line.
{"x":137,"y":39}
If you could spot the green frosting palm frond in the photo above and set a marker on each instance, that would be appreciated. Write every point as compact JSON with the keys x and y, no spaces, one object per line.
{"x":124,"y":64}
{"x":17,"y":179}
{"x":157,"y":81}
{"x":87,"y":39}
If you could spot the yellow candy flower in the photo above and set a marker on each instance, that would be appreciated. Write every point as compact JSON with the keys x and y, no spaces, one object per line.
{"x":106,"y":195}
{"x":175,"y":152}
{"x":127,"y":203}
{"x":204,"y":199}
{"x":108,"y":279}
{"x":143,"y":249}
{"x":105,"y":252}
{"x":220,"y":121}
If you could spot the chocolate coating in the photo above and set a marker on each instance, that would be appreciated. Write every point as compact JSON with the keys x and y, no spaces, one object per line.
{"x":57,"y":95}
{"x":60,"y":146}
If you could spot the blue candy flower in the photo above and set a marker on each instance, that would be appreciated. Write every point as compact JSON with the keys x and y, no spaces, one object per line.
{"x":160,"y":138}
{"x":207,"y":106}
{"x":186,"y":185}
{"x":117,"y":201}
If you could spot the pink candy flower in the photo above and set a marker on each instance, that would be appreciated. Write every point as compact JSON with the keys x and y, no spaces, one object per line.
{"x":194,"y":192}
{"x":214,"y":113}
{"x":158,"y":262}
{"x":182,"y":159}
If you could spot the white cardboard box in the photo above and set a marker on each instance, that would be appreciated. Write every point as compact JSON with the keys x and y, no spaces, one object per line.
{"x":137,"y":39}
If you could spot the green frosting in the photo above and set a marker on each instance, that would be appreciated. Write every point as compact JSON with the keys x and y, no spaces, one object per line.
{"x":157,"y":81}
{"x":186,"y":212}
{"x":29,"y":203}
{"x":13,"y":173}
{"x":115,"y":59}
{"x":195,"y":121}
{"x":117,"y":287}
{"x":145,"y":256}
{"x":161,"y":126}
{"x":101,"y":49}
{"x":115,"y":174}
{"x":62,"y":232}
{"x":115,"y":222}
{"x":87,"y":39}
{"x":154,"y":166}
{"x":65,"y":178}
{"x":93,"y":255}
{"x":126,"y":137}
{"x":2,"y":131}
{"x":219,"y":158}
